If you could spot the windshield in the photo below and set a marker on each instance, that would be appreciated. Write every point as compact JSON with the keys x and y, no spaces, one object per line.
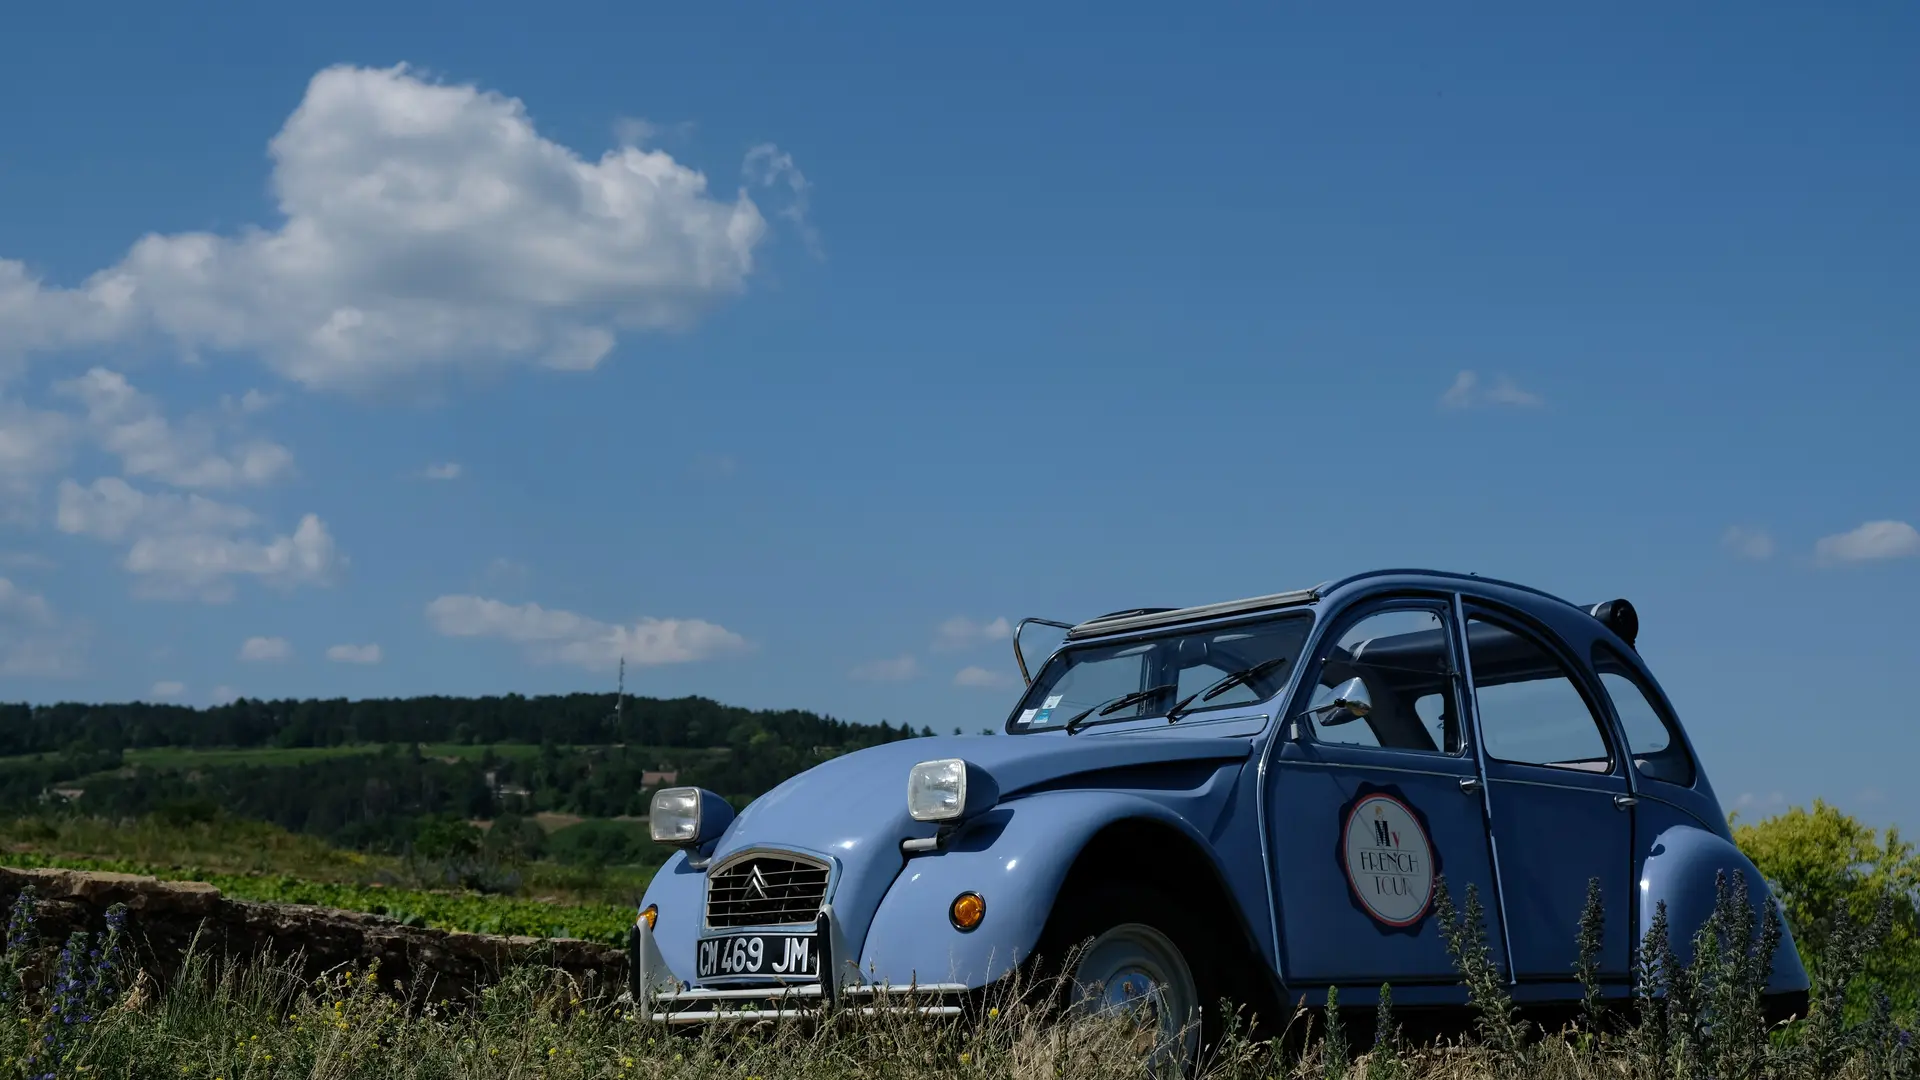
{"x":1158,"y":672}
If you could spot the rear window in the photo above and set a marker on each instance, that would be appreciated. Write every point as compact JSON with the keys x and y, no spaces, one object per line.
{"x":1651,"y":738}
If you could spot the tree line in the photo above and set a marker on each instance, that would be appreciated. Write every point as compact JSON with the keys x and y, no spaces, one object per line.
{"x":578,"y":719}
{"x":593,"y":759}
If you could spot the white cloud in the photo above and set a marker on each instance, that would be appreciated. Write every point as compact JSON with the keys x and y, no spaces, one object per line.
{"x":554,"y":636}
{"x":129,"y":424}
{"x":504,"y":571}
{"x":961,"y":632}
{"x":1467,"y":393}
{"x":899,"y":669}
{"x":449,"y":470}
{"x":769,"y":166}
{"x":1752,"y":801}
{"x":424,"y":227}
{"x":34,"y":639}
{"x":253,"y":401}
{"x":1872,"y":541}
{"x":715,"y":465}
{"x":190,"y":545}
{"x":25,"y":560}
{"x":167,"y":688}
{"x":259,"y":649}
{"x":981,"y":678}
{"x":111,"y":509}
{"x":354,"y":654}
{"x":33,"y":444}
{"x":1748,"y":543}
{"x":638,"y":131}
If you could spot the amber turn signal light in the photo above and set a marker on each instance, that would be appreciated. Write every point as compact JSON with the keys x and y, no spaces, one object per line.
{"x":651,"y":914}
{"x":967,"y":911}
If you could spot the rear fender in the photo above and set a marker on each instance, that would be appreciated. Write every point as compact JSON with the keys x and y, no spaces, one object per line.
{"x":1016,"y":857}
{"x":1679,"y":869}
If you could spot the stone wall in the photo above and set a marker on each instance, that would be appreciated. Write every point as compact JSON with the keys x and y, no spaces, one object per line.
{"x":167,"y":918}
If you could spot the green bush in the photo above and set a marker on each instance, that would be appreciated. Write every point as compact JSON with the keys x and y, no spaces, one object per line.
{"x":1830,"y":870}
{"x":605,"y":843}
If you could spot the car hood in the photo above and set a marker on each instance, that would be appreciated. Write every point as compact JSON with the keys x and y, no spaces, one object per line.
{"x":852,"y":809}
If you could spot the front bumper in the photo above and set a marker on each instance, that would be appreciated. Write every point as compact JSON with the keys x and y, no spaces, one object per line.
{"x":663,"y":997}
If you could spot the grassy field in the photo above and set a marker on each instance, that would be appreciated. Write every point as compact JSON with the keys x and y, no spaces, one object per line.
{"x":249,"y":860}
{"x":97,"y":1016}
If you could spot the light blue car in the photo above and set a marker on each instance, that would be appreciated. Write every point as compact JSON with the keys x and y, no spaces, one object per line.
{"x":1253,"y":800}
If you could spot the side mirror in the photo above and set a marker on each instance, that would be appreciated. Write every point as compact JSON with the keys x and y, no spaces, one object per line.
{"x":1350,"y":702}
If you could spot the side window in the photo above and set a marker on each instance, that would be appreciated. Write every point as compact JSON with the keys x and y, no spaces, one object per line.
{"x":1386,"y":683}
{"x":1531,"y":710}
{"x":1657,"y":752}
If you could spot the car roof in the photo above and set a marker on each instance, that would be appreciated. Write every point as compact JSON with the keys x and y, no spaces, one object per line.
{"x":1147,"y":618}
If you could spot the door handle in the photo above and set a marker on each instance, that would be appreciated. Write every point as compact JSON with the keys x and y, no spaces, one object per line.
{"x":1625,"y":802}
{"x":1469,"y":784}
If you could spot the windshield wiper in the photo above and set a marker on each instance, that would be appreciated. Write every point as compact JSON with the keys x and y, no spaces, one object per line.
{"x":1121,"y":702}
{"x":1223,"y":684}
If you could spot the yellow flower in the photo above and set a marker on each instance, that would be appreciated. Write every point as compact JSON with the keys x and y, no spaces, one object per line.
{"x":966,"y":1059}
{"x":994,"y":1013}
{"x":552,"y":1050}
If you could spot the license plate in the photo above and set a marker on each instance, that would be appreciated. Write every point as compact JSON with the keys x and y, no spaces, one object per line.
{"x":782,"y":956}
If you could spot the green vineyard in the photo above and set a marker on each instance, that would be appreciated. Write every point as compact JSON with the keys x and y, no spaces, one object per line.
{"x":437,"y":910}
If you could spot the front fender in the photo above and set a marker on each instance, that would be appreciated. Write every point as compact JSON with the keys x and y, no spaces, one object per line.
{"x":680,"y":892}
{"x":1017,"y":857}
{"x":1679,"y":870}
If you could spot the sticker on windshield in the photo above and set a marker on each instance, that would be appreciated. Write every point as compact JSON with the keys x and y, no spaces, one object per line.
{"x":1052,"y":702}
{"x":1026,"y":718}
{"x":1388,"y":859}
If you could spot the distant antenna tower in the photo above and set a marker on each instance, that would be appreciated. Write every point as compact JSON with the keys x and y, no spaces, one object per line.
{"x":620,"y":697}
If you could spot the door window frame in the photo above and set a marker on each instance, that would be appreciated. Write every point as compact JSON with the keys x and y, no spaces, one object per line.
{"x":1577,"y":671}
{"x":1440,"y":604}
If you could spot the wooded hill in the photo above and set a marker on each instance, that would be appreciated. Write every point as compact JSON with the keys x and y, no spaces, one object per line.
{"x":373,"y":774}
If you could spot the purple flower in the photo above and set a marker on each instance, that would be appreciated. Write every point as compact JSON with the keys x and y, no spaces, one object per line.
{"x":1904,"y":1038}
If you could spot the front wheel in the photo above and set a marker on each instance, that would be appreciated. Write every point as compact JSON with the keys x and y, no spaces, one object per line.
{"x":1126,"y":949}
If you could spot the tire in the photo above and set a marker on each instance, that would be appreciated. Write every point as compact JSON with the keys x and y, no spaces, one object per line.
{"x":1130,"y":946}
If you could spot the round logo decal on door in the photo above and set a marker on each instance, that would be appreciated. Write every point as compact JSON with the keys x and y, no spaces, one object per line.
{"x":1388,"y":860}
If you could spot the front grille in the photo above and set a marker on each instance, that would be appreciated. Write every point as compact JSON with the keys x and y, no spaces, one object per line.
{"x":766,"y":890}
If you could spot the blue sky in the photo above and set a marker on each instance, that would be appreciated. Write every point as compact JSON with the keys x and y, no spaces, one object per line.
{"x":786,"y":354}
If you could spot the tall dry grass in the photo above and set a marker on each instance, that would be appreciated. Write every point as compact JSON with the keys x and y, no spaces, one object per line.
{"x":88,"y":1012}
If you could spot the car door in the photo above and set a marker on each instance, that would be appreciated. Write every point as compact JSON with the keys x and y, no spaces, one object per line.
{"x":1368,"y":812}
{"x":1560,"y":804}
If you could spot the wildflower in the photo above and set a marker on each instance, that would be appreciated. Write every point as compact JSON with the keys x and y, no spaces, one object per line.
{"x":966,"y":1059}
{"x":993,"y":1013}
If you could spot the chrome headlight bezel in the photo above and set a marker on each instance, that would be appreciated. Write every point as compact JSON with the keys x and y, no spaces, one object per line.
{"x":687,"y":816}
{"x":947,"y":790}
